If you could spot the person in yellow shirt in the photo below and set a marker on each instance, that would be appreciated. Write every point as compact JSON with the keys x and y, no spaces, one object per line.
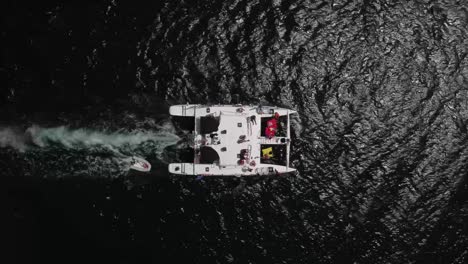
{"x":267,"y":153}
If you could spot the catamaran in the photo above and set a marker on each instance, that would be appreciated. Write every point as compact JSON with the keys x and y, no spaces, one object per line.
{"x":236,"y":140}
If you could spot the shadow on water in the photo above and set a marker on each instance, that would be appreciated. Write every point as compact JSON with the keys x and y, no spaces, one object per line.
{"x":183,"y":123}
{"x":179,"y":153}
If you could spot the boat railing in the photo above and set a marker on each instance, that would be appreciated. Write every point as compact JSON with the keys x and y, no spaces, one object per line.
{"x":232,"y":113}
{"x":196,"y":146}
{"x":274,"y":140}
{"x":288,"y":146}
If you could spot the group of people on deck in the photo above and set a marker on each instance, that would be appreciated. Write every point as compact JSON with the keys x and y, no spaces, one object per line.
{"x":270,"y":132}
{"x":272,"y":126}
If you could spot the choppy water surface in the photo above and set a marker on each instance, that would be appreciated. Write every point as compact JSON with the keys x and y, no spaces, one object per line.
{"x":380,"y":141}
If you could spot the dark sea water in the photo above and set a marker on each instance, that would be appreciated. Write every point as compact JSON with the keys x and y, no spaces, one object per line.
{"x":380,"y":141}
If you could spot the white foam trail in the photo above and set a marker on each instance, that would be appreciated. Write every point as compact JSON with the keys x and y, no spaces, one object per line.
{"x":84,"y":138}
{"x":76,"y":138}
{"x":9,"y":137}
{"x":106,"y":153}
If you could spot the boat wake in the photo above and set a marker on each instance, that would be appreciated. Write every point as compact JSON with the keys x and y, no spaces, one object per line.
{"x":63,"y":150}
{"x":12,"y":137}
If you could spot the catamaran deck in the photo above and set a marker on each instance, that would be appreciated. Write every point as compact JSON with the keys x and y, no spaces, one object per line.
{"x":228,"y":140}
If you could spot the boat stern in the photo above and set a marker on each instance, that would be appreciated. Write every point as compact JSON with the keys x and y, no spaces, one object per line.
{"x":181,"y":168}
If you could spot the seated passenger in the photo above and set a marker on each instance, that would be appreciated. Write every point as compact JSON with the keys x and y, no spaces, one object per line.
{"x":267,"y":156}
{"x":272,"y":126}
{"x":267,"y":153}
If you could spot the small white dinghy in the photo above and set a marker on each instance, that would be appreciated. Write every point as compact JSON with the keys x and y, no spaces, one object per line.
{"x":139,"y":164}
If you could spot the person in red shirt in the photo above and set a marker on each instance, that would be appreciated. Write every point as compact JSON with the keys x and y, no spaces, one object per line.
{"x":272,"y":126}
